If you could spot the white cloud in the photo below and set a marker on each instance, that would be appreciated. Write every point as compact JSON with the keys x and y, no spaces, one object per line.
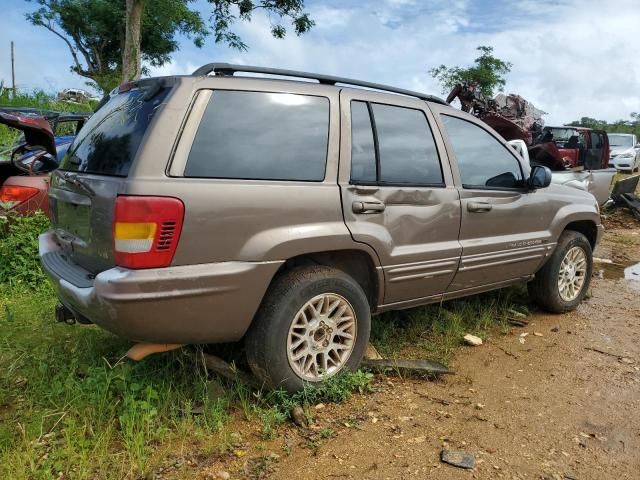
{"x":571,"y":58}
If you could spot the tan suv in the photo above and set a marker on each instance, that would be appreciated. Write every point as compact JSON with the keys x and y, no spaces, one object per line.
{"x":217,"y":208}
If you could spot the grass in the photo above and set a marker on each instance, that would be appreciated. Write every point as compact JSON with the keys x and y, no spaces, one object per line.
{"x":70,"y":406}
{"x":436,"y":331}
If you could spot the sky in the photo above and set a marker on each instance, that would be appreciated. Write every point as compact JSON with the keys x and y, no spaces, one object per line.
{"x":571,"y":58}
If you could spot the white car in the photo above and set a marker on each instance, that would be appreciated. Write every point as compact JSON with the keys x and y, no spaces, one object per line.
{"x":625,"y":151}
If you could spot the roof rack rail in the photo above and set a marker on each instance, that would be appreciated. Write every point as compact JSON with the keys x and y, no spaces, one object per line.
{"x":228,"y":69}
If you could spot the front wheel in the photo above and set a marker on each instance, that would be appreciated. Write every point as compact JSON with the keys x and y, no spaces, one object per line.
{"x":562,"y":283}
{"x":314,"y":322}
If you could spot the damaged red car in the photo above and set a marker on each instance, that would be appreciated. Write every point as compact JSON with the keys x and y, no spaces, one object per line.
{"x":25,"y":167}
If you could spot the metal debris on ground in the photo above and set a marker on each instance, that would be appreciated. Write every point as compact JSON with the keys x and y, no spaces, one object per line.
{"x":517,"y":319}
{"x":623,"y":195}
{"x":418,"y":366}
{"x":458,"y":458}
{"x":225,"y":369}
{"x":371,"y":353}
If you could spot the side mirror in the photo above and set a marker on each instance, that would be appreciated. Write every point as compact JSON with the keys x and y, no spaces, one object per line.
{"x":637,"y":145}
{"x":540,"y":177}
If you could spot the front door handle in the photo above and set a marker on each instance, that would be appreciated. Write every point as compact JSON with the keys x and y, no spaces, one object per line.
{"x":479,"y":207}
{"x":367,"y":207}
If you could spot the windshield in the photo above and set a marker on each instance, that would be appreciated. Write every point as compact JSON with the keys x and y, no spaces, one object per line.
{"x":620,"y":141}
{"x":561,"y":133}
{"x":109,"y":141}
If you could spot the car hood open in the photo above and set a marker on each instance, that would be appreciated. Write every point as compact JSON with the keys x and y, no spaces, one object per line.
{"x":37,"y":130}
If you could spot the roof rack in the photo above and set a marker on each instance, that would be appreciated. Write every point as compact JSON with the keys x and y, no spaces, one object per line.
{"x":228,"y":69}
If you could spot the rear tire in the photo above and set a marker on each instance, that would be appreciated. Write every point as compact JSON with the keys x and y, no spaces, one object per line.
{"x":562,"y":283}
{"x":302,"y":333}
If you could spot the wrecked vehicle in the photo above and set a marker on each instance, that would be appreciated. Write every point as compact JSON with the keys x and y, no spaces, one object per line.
{"x":74,"y":95}
{"x":625,"y":151}
{"x":577,"y":156}
{"x":25,"y":167}
{"x":218,"y":208}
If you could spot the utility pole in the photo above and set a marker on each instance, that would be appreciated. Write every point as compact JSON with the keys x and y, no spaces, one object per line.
{"x":13,"y":71}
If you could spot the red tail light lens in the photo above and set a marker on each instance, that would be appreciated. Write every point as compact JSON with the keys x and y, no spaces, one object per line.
{"x":12,"y":195}
{"x":146,"y":230}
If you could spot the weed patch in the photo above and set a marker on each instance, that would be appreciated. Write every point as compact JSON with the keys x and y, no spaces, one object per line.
{"x":20,"y":264}
{"x":435,"y":331}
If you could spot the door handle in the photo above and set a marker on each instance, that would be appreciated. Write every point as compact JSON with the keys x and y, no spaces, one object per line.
{"x":479,"y":207}
{"x":367,"y":207}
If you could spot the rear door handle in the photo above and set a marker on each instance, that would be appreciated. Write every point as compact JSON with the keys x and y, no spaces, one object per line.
{"x":479,"y":207}
{"x":367,"y":207}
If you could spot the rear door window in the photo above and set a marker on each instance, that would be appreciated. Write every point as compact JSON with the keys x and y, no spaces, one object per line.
{"x":261,"y":136}
{"x":392,"y":146}
{"x":107,"y":144}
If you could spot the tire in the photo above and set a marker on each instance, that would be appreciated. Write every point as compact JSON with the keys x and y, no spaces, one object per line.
{"x":545,"y":288}
{"x":272,"y":335}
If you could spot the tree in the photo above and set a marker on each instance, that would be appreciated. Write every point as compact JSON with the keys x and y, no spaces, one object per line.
{"x":223,"y":17}
{"x":96,"y":31}
{"x":619,"y":126}
{"x":488,"y":72}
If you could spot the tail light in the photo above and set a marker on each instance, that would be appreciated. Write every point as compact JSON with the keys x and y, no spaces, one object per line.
{"x":146,"y":230}
{"x":12,"y":195}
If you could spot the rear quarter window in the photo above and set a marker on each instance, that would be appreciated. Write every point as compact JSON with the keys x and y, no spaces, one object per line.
{"x":107,"y":144}
{"x":261,"y":136}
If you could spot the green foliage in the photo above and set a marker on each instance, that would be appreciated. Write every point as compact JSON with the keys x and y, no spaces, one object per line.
{"x":334,"y":389}
{"x":32,"y":99}
{"x":226,"y":12}
{"x":67,"y":405}
{"x":619,"y":126}
{"x":94,"y":30}
{"x":488,"y":72}
{"x":19,"y":261}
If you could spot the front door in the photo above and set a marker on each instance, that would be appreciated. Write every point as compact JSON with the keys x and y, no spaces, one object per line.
{"x":504,"y":232}
{"x":398,"y":194}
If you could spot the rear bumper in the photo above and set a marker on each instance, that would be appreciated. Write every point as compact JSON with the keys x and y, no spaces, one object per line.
{"x":205,"y":303}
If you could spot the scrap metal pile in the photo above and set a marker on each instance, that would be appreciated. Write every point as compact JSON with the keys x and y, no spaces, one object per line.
{"x":510,"y":115}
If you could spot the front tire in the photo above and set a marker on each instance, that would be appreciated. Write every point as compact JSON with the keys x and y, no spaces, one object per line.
{"x":562,"y":283}
{"x":313,"y":323}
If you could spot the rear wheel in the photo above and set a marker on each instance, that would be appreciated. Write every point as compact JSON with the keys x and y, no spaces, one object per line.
{"x":562,"y":283}
{"x":314,"y":322}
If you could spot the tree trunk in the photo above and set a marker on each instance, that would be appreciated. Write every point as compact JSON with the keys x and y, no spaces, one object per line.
{"x":131,"y":60}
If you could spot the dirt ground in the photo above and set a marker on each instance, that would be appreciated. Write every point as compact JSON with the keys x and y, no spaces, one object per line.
{"x":561,"y":402}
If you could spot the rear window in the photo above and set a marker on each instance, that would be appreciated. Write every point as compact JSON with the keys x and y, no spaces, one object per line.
{"x":109,"y":141}
{"x":261,"y":136}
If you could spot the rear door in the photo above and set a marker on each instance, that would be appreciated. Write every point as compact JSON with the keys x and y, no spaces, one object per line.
{"x":93,"y":172}
{"x":398,"y":194}
{"x":504,"y":232}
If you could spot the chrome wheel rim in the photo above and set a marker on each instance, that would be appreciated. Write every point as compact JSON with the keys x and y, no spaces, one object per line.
{"x":321,"y":337}
{"x":573,"y":273}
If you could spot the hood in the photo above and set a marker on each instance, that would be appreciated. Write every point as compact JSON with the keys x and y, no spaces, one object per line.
{"x":621,"y":150}
{"x":37,"y":131}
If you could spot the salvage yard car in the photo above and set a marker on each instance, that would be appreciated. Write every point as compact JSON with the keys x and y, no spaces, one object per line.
{"x":218,"y":208}
{"x":625,"y":151}
{"x":25,"y":167}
